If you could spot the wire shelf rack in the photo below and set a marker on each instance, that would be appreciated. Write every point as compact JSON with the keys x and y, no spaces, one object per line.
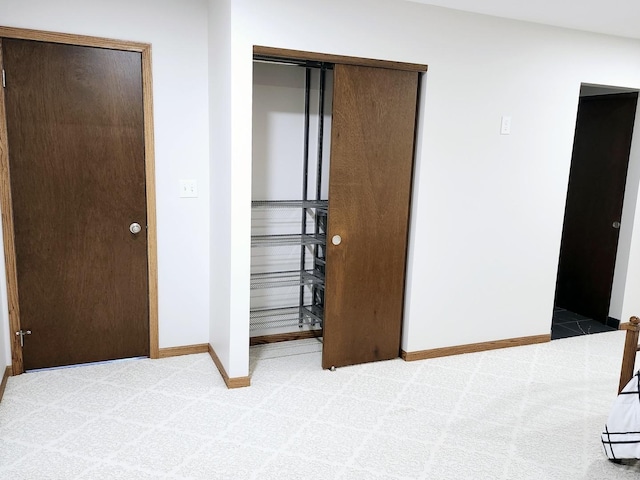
{"x":291,"y":278}
{"x":317,"y":204}
{"x":286,"y":317}
{"x":287,"y":240}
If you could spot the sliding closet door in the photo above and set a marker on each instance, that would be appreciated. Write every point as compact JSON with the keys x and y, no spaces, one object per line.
{"x":372,"y":147}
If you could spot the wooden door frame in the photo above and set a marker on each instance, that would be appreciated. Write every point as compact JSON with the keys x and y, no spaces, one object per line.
{"x":6,"y":205}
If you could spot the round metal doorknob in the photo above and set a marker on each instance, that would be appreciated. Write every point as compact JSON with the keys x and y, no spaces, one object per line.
{"x":135,"y":228}
{"x":616,"y":225}
{"x":336,"y":239}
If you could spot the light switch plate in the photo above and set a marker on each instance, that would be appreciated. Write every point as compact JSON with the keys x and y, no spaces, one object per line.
{"x":505,"y":126}
{"x":188,"y":188}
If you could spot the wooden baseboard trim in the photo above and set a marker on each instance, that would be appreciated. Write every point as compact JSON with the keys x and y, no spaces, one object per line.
{"x":474,"y":347}
{"x":236,"y":382}
{"x":184,"y":350}
{"x":284,"y":337}
{"x":5,"y":377}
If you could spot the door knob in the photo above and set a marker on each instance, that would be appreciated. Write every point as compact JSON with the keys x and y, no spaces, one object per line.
{"x":616,"y":225}
{"x":336,"y":239}
{"x":135,"y":228}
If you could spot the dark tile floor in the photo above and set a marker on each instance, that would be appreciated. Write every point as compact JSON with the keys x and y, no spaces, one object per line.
{"x":568,"y":324}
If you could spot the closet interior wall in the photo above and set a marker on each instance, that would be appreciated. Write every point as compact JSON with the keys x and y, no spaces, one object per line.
{"x":290,"y":172}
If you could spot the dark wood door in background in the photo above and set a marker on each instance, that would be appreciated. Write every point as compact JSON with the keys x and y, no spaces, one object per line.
{"x":76,"y":156}
{"x":595,"y":194}
{"x":372,"y":149}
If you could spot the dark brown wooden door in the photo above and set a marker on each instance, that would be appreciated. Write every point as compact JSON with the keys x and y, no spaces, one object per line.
{"x":76,"y":156}
{"x":372,"y":148}
{"x":594,"y":202}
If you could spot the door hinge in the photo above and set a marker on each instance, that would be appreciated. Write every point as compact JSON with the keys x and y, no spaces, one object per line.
{"x":21,"y":334}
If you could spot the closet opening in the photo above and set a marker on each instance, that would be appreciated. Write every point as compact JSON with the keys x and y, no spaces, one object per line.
{"x":333,"y":148}
{"x":595,"y":245}
{"x":291,"y":143}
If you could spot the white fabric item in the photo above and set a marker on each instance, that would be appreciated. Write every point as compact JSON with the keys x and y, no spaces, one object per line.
{"x":621,"y":435}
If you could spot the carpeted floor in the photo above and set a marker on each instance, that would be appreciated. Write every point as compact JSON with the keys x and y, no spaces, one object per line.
{"x":533,"y":412}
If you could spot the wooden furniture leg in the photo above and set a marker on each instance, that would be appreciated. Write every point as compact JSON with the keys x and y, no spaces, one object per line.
{"x":630,"y":348}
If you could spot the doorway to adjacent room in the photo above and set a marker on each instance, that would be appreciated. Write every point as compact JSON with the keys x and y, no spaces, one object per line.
{"x":593,"y":211}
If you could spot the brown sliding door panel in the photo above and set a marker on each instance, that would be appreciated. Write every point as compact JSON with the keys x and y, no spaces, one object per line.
{"x":77,"y":168}
{"x":372,"y":147}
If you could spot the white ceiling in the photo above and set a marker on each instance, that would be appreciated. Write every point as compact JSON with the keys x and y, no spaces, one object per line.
{"x":613,"y":17}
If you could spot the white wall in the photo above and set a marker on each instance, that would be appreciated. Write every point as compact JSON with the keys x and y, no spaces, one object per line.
{"x":177,"y":30}
{"x":229,"y":323}
{"x":487,"y":220}
{"x":277,"y":132}
{"x":220,"y":160}
{"x":488,"y":209}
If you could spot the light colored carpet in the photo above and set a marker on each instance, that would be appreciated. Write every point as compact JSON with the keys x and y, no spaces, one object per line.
{"x":533,"y":412}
